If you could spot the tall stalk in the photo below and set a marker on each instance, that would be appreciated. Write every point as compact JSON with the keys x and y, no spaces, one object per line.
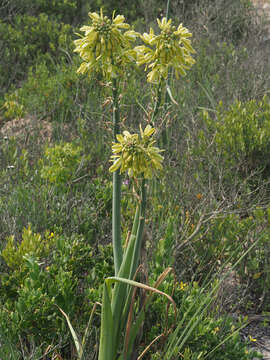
{"x":157,"y":104}
{"x":139,"y":235}
{"x":116,"y":201}
{"x":164,"y":133}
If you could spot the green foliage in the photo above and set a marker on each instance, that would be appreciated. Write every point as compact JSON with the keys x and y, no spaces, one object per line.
{"x":208,"y":333}
{"x":207,"y":156}
{"x":13,"y":110}
{"x":62,"y":10}
{"x":242,"y":134}
{"x":62,"y":163}
{"x":31,"y":244}
{"x":44,"y":272}
{"x":28,"y":41}
{"x":48,"y":93}
{"x":223,"y":242}
{"x":83,"y":207}
{"x":132,"y":10}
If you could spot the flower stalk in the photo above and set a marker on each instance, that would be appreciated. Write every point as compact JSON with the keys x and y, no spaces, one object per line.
{"x":116,"y":200}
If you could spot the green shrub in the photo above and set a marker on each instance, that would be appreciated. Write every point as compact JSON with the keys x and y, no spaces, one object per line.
{"x":242,"y":134}
{"x":43,"y":272}
{"x":63,"y":10}
{"x":62,"y":163}
{"x":31,"y":244}
{"x":210,"y":332}
{"x":225,"y":239}
{"x":213,"y":336}
{"x":28,"y":41}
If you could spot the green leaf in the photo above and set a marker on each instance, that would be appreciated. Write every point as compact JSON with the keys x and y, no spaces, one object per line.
{"x":107,"y":328}
{"x":74,"y":335}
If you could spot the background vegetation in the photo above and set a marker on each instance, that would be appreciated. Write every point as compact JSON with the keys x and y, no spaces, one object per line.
{"x":211,"y":204}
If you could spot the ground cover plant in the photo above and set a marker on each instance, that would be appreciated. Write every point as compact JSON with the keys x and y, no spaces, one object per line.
{"x":200,"y":207}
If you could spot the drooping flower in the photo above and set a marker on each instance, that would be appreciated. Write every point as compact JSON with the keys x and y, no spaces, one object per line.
{"x":105,"y":46}
{"x":136,"y":154}
{"x":170,"y":49}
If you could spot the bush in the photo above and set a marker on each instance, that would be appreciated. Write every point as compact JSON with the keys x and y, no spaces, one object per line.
{"x":43,"y":272}
{"x":242,"y":134}
{"x":62,"y":164}
{"x":209,"y":335}
{"x":28,"y":41}
{"x":223,"y":241}
{"x":206,"y":338}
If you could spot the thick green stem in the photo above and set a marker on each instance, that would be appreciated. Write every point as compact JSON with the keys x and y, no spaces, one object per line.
{"x":116,"y":206}
{"x":139,"y":235}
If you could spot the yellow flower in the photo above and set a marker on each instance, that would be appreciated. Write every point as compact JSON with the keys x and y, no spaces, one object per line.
{"x":215,"y":330}
{"x":105,"y":47}
{"x":136,"y":154}
{"x":182,"y":286}
{"x":251,"y":338}
{"x":170,"y":49}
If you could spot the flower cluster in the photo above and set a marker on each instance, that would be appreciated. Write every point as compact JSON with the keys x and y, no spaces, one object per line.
{"x":105,"y":47}
{"x":136,"y":154}
{"x":170,"y":49}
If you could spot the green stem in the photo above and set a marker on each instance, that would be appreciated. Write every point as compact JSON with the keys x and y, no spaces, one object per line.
{"x":116,"y":201}
{"x":168,"y":9}
{"x":139,"y":235}
{"x":164,"y":133}
{"x":157,"y":104}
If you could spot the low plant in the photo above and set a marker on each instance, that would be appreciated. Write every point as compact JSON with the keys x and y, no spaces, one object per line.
{"x":62,"y":164}
{"x":242,"y":130}
{"x":41,"y":273}
{"x":31,"y":38}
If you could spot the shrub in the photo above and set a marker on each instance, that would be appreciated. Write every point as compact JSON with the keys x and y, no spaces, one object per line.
{"x":223,"y":241}
{"x":31,"y":244}
{"x":45,"y":271}
{"x":30,"y":40}
{"x":62,"y":163}
{"x":242,"y":134}
{"x":206,"y":338}
{"x":210,"y":335}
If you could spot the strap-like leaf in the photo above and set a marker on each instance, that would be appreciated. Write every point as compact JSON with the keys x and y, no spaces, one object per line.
{"x":107,"y":329}
{"x":74,"y":335}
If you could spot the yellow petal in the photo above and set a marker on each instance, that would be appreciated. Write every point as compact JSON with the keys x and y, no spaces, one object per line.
{"x":119,"y":19}
{"x":116,"y":165}
{"x":120,"y":138}
{"x":149,"y":130}
{"x":94,"y":16}
{"x":127,"y":134}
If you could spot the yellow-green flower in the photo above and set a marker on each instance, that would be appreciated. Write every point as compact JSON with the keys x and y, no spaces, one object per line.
{"x":105,"y":47}
{"x":136,"y":154}
{"x":182,"y":286}
{"x":170,"y":49}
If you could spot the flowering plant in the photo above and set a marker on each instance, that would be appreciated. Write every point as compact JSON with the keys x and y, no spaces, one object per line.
{"x":170,"y":49}
{"x":136,"y":154}
{"x":105,"y":47}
